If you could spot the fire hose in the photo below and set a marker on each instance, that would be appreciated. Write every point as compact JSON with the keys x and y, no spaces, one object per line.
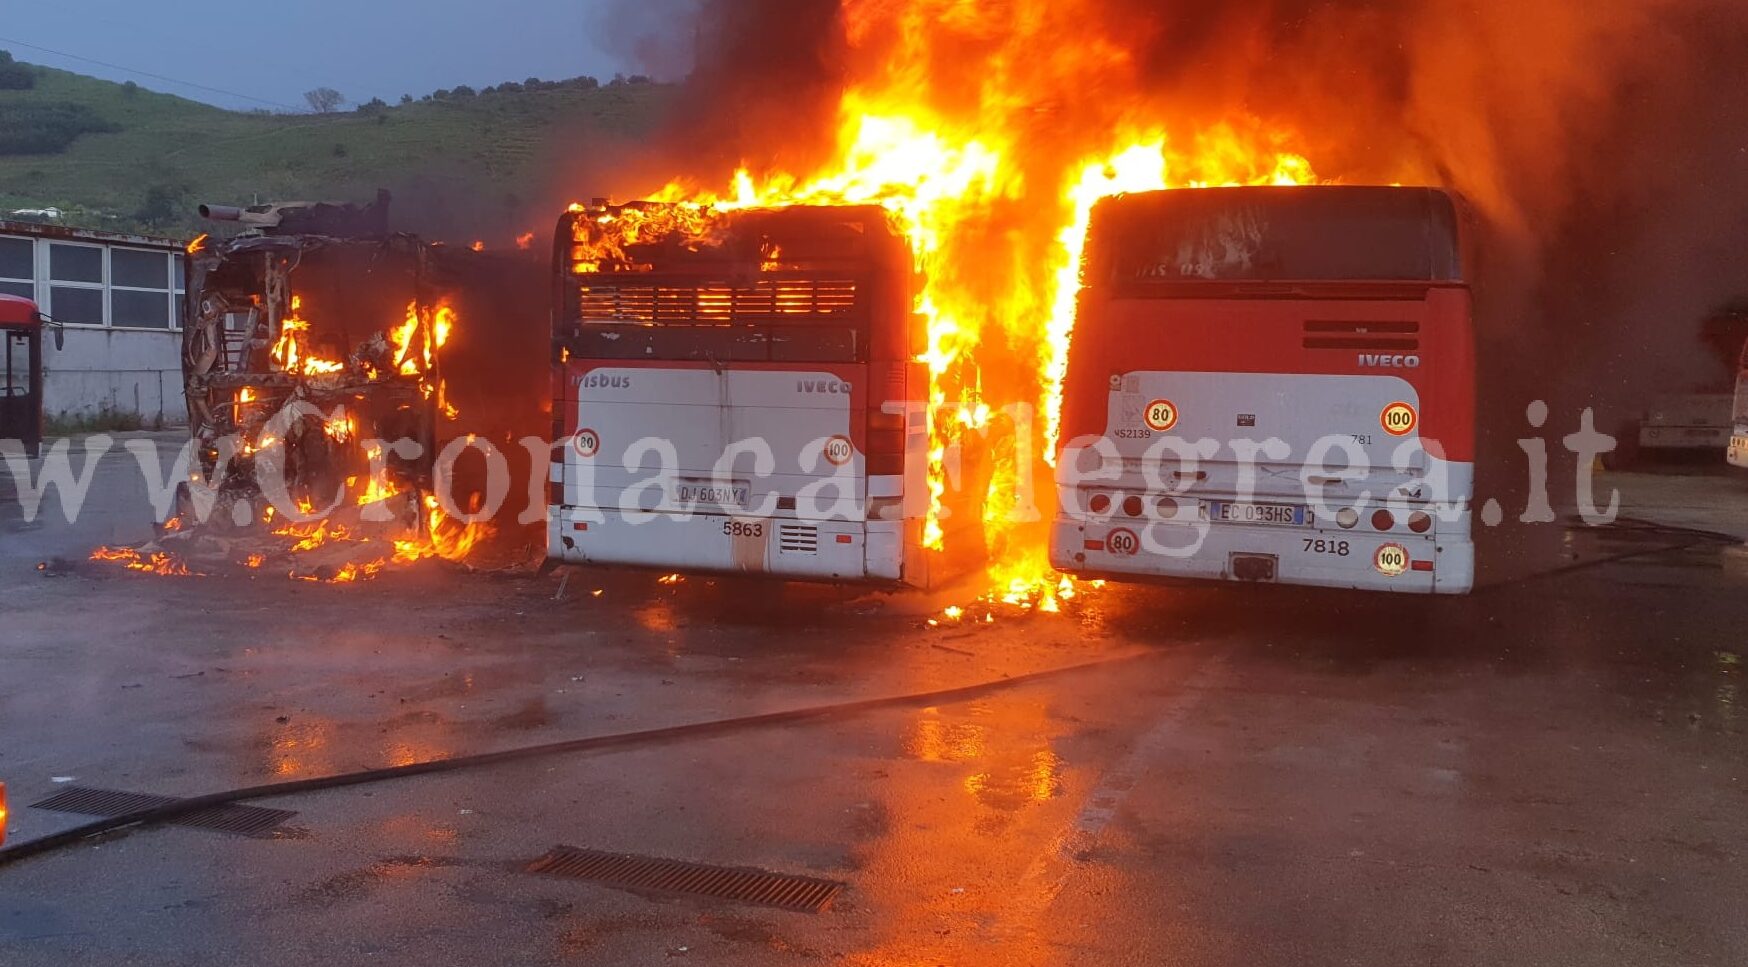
{"x":614,"y":741}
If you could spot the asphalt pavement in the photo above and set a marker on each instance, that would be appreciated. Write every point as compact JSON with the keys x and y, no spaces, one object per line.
{"x":1548,"y":771}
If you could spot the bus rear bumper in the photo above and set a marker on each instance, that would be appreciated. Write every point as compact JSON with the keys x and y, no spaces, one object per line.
{"x":820,"y":550}
{"x":1259,"y":554}
{"x":1737,"y":453}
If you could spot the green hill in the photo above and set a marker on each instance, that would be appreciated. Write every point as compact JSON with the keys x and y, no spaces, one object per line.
{"x":156,"y":156}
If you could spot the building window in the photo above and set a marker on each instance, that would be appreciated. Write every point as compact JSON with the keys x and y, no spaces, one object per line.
{"x":141,"y":292}
{"x":76,"y":283}
{"x":179,"y":279}
{"x":18,"y":267}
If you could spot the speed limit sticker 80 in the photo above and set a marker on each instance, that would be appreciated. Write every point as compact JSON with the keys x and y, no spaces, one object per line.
{"x":1122,"y":541}
{"x":1161,"y":415}
{"x":587,"y":442}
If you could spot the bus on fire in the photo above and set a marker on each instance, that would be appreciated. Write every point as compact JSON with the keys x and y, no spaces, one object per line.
{"x":1271,"y":384}
{"x":741,"y":392}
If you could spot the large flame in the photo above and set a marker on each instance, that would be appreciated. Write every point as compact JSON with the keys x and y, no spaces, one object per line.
{"x":993,"y":176}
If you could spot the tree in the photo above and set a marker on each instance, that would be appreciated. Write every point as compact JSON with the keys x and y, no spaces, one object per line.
{"x":15,"y":76}
{"x":325,"y":100}
{"x":375,"y":105}
{"x":461,"y":90}
{"x":406,"y":99}
{"x":161,"y":207}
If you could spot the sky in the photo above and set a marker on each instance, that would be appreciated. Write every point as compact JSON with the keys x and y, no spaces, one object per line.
{"x":267,"y":55}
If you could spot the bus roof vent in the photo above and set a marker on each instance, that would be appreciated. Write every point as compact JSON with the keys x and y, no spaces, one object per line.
{"x":767,"y":300}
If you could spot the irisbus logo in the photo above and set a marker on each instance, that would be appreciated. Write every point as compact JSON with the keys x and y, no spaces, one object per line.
{"x":599,"y":381}
{"x":1386,"y":361}
{"x":827,"y":386}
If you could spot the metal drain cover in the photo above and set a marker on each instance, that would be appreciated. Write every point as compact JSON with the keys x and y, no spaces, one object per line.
{"x":803,"y":893}
{"x":243,"y":820}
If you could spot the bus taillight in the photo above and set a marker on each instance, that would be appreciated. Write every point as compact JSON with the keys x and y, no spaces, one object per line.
{"x":886,"y":442}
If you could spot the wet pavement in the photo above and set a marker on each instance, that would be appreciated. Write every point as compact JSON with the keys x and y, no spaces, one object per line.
{"x":1551,"y":771}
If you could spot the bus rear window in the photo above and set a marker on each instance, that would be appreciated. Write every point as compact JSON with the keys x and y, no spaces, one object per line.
{"x":1319,"y":233}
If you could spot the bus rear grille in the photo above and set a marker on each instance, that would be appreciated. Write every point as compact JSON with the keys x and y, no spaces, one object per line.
{"x":798,"y":538}
{"x":767,"y":299}
{"x":1394,"y":336}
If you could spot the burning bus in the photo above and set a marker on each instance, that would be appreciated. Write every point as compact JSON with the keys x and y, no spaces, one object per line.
{"x":1272,"y":384}
{"x":742,"y":391}
{"x":317,"y":407}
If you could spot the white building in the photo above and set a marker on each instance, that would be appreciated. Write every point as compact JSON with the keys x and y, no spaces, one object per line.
{"x":120,"y":298}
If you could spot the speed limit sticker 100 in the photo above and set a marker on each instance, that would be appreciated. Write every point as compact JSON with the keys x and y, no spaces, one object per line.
{"x":1391,"y":560}
{"x":1399,"y":419}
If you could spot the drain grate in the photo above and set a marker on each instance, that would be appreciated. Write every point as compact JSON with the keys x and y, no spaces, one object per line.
{"x":243,"y":820}
{"x":803,"y":893}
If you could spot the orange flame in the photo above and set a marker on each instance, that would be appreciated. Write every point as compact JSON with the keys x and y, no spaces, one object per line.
{"x":948,"y":185}
{"x":290,"y":352}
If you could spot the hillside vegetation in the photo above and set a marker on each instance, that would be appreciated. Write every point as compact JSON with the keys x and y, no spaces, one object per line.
{"x":119,"y":157}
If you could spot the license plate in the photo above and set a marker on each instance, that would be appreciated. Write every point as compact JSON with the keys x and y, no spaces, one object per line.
{"x":1285,"y":515}
{"x":715,"y":493}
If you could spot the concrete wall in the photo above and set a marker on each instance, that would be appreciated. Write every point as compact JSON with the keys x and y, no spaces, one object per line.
{"x":136,"y":372}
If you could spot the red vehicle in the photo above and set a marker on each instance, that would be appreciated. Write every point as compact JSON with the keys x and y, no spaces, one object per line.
{"x":21,"y":327}
{"x":1272,"y":384}
{"x":686,"y":347}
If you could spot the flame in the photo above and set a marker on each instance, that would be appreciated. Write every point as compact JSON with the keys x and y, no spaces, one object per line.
{"x":525,"y":241}
{"x":291,"y":353}
{"x":199,"y":244}
{"x":993,"y":175}
{"x":949,"y":184}
{"x":153,"y":562}
{"x":418,"y":528}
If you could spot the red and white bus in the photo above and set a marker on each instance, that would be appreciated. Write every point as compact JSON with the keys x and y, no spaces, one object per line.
{"x":739,"y":393}
{"x":21,"y":327}
{"x":1272,"y":384}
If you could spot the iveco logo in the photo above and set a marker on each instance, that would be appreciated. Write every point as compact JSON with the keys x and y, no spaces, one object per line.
{"x":598,"y":381}
{"x":822,"y":386}
{"x":1377,"y":360}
